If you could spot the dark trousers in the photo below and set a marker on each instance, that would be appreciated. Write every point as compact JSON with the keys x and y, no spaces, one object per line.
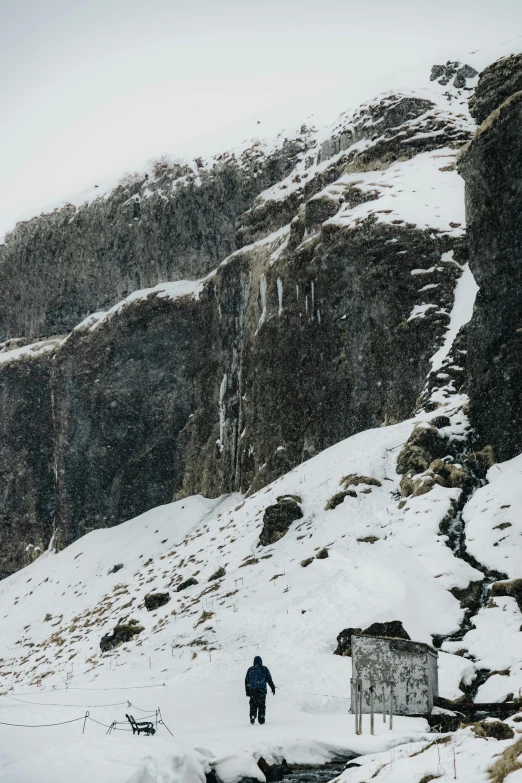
{"x":257,"y":704}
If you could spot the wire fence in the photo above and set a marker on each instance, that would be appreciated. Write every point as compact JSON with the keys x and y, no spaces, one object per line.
{"x":114,"y":726}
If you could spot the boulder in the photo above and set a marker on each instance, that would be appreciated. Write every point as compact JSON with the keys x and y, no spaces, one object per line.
{"x":450,"y":475}
{"x":496,"y":83}
{"x":277,"y":520}
{"x":512,"y":589}
{"x":493,"y":728}
{"x":272,"y":772}
{"x":418,"y":485}
{"x":443,"y":74}
{"x":393,"y":630}
{"x":121,"y":633}
{"x":344,"y":641}
{"x":424,"y":445}
{"x":186,"y":583}
{"x":155,"y":600}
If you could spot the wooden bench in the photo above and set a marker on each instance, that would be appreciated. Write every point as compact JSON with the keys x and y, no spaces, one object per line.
{"x":141,"y":727}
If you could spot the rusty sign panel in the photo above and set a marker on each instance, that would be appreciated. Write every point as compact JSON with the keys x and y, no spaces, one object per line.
{"x":410,"y":668}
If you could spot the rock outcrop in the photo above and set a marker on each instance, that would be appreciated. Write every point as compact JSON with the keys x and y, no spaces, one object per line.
{"x":492,"y":168}
{"x":320,"y":324}
{"x":392,"y":630}
{"x":496,"y":84}
{"x":153,"y":601}
{"x":121,"y":633}
{"x":277,"y":520}
{"x":177,"y":222}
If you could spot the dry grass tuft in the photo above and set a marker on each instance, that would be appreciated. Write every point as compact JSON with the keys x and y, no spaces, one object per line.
{"x":438,"y":741}
{"x":506,"y":763}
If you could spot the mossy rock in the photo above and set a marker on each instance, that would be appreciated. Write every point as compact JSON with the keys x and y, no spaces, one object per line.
{"x":494,"y":728}
{"x":454,"y":476}
{"x":513,"y":589}
{"x":481,"y":461}
{"x":277,"y":520}
{"x":338,"y":498}
{"x":322,"y":554}
{"x":219,"y":574}
{"x":353,"y":480}
{"x":424,"y":445}
{"x":439,"y":472}
{"x":306,"y":562}
{"x":418,"y":485}
{"x":121,"y":633}
{"x":186,"y":583}
{"x":155,"y":600}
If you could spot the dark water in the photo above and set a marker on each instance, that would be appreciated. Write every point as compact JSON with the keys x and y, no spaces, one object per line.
{"x":309,"y":774}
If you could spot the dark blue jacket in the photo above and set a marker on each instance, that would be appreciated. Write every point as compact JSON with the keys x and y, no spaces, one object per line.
{"x":257,"y":677}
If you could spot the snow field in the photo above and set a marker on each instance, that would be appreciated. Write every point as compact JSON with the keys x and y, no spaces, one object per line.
{"x":192,"y":655}
{"x":446,"y":758}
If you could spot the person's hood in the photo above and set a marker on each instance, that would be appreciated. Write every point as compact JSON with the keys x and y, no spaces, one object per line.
{"x":258,"y":661}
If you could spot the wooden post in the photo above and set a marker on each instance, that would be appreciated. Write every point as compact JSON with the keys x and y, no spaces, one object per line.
{"x":383,"y":705}
{"x":371,"y":711}
{"x":355,"y":707}
{"x":360,"y":692}
{"x":391,"y":707}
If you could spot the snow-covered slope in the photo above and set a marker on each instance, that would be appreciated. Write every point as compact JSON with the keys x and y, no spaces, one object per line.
{"x":441,"y":561}
{"x":381,"y":565}
{"x":384,"y":563}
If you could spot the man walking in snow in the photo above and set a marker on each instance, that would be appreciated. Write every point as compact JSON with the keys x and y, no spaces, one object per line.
{"x":256,"y":681}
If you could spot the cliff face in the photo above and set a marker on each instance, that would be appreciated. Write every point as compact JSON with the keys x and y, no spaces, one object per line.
{"x":322,"y":322}
{"x":492,"y":168}
{"x":27,"y":477}
{"x":177,"y":222}
{"x":122,"y":396}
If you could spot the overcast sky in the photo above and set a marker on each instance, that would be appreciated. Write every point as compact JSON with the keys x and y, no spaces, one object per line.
{"x":90,"y":88}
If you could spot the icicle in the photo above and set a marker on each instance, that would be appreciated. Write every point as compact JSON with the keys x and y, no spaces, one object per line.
{"x":262,"y":293}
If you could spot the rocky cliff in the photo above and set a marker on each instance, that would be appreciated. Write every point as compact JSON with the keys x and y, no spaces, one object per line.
{"x":323,"y":321}
{"x":492,"y":168}
{"x":177,"y":221}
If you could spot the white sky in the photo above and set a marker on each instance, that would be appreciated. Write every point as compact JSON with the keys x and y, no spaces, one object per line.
{"x":92,"y":88}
